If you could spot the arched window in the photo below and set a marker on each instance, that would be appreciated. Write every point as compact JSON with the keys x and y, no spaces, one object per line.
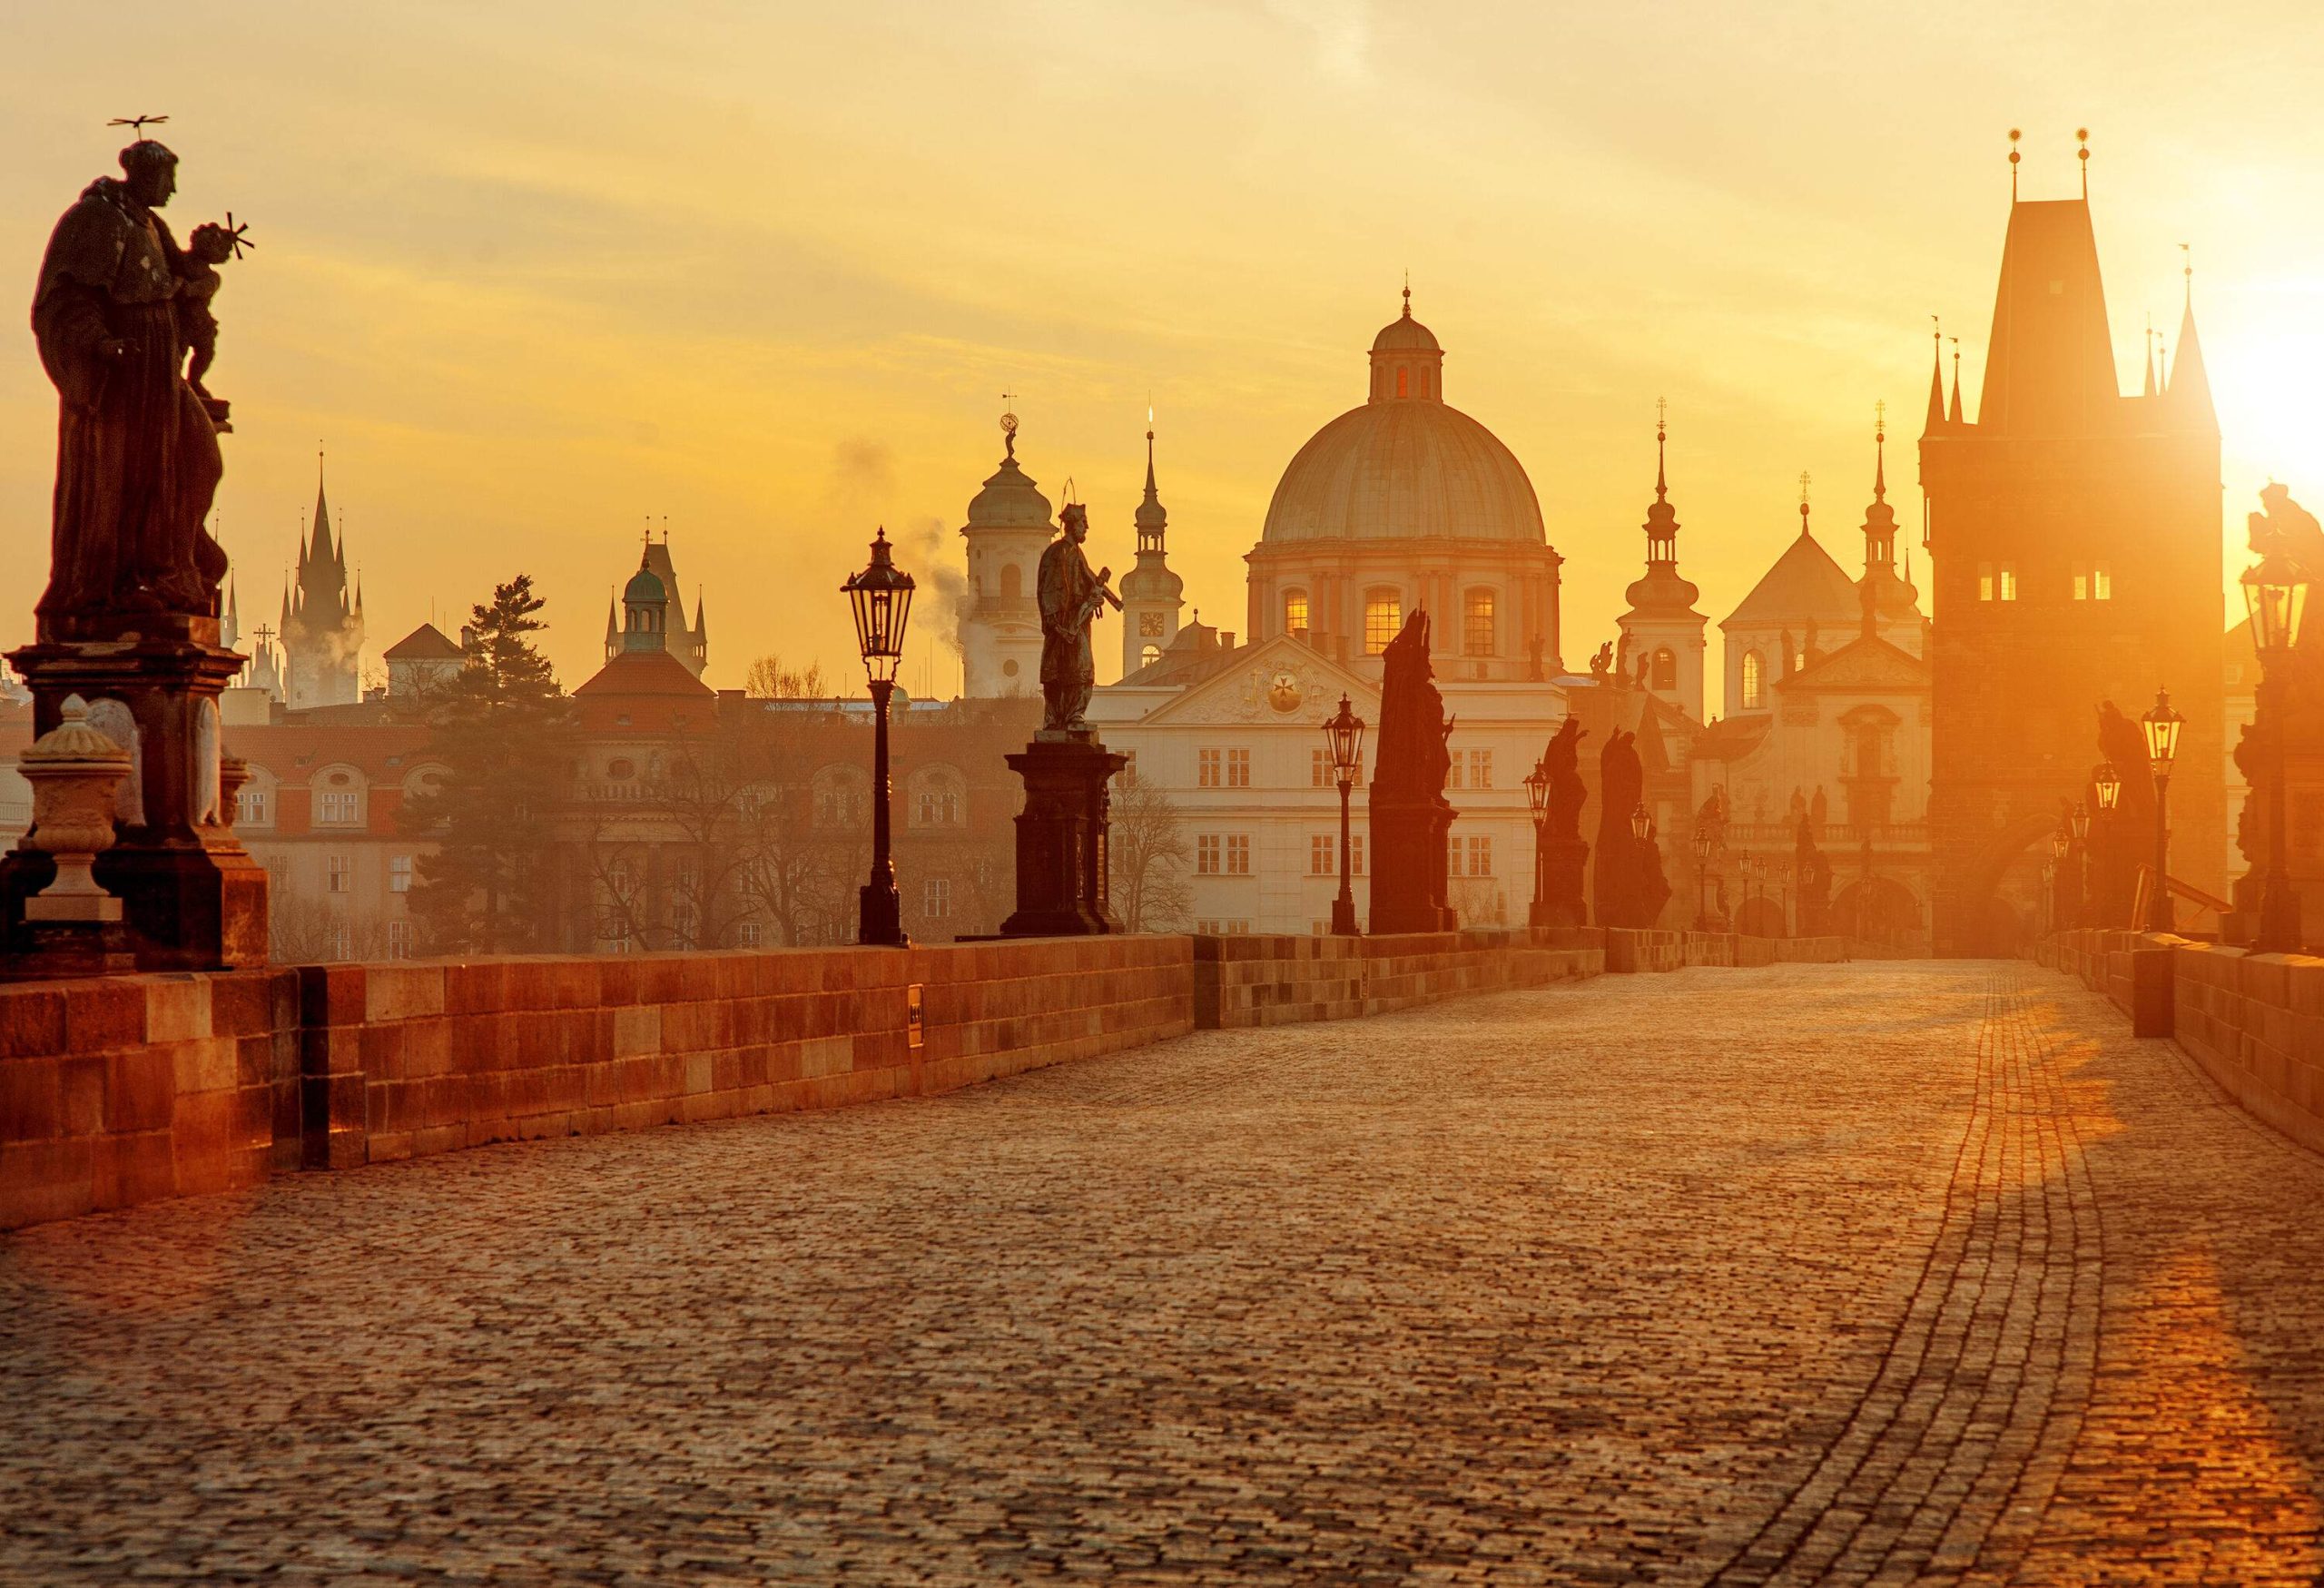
{"x":1384,"y":614}
{"x":1477,"y":637}
{"x":1404,"y":381}
{"x":1666,"y":669}
{"x":1295,"y":612}
{"x":1148,"y":656}
{"x":939,"y":797}
{"x":842,"y":796}
{"x":1012,"y":582}
{"x":1754,"y":675}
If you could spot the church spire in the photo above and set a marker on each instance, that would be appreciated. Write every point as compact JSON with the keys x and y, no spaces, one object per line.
{"x":1935,"y":421}
{"x":1879,"y":529}
{"x":2149,"y":390}
{"x":1954,"y":416}
{"x":1151,"y":517}
{"x":1661,"y":524}
{"x":2190,"y":384}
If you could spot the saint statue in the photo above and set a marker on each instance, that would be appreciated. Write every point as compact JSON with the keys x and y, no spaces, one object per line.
{"x":1566,"y":792}
{"x":137,"y":446}
{"x":1072,"y":597}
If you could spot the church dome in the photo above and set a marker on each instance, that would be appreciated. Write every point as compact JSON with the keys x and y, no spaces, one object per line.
{"x":645,"y":586}
{"x":1405,"y":466}
{"x":1009,"y":500}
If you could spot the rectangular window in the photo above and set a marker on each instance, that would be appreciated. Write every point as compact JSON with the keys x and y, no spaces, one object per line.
{"x":749,"y":935}
{"x":341,"y":868}
{"x":1480,"y":769}
{"x":249,"y":807}
{"x":339,"y":806}
{"x":1207,"y":768}
{"x":398,"y":874}
{"x":1239,"y":854}
{"x":1476,"y":624}
{"x":1985,"y":581}
{"x":342,"y":941}
{"x":1238,"y":769}
{"x":1384,"y":614}
{"x":1319,"y":769}
{"x":1477,"y":849}
{"x":2009,"y":581}
{"x":2101,"y":583}
{"x":399,"y":940}
{"x":1355,"y":854}
{"x":936,"y":898}
{"x":1295,"y":612}
{"x":1206,"y":854}
{"x":1322,"y":859}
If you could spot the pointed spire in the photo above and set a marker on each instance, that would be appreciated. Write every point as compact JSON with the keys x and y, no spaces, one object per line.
{"x":1935,"y":420}
{"x":701,"y":618}
{"x":2190,"y":384}
{"x":1661,"y":427}
{"x":1953,"y":416}
{"x":2014,"y":136}
{"x":613,"y":624}
{"x":2149,"y":391}
{"x":322,"y":507}
{"x":1151,"y":517}
{"x":2083,"y":154}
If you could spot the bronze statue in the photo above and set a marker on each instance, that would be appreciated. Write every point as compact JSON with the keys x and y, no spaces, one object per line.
{"x":1409,"y":812}
{"x":137,"y":448}
{"x":1071,"y":598}
{"x":1617,"y":880}
{"x":1566,"y":794}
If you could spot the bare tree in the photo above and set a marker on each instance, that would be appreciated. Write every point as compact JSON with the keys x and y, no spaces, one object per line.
{"x":1148,"y":854}
{"x":769,"y":679}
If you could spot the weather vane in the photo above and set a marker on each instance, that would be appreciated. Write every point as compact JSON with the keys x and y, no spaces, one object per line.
{"x":1008,"y":424}
{"x":137,"y":124}
{"x":1803,"y":493}
{"x":1880,"y":418}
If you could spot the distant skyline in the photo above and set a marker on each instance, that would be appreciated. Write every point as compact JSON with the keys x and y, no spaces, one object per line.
{"x":535,"y":275}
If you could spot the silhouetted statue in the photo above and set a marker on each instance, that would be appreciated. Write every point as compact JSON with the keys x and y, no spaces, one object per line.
{"x":1653,"y":887}
{"x":1533,"y":674}
{"x":1563,"y":852}
{"x":137,"y":451}
{"x":1072,"y":597}
{"x":2123,"y":841}
{"x":1814,"y":871}
{"x":1617,"y":881}
{"x":1408,"y":811}
{"x":1602,"y":663}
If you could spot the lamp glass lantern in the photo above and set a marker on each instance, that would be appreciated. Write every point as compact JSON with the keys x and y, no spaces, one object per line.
{"x":1640,"y":822}
{"x":2109,"y":783}
{"x":2162,"y":723}
{"x":1344,"y":733}
{"x":2275,"y":593}
{"x":1537,"y":790}
{"x":882,"y":597}
{"x":2058,"y":842}
{"x":2081,"y":821}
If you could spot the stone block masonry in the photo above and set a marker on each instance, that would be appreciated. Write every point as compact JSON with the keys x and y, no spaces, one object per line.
{"x":1270,"y":981}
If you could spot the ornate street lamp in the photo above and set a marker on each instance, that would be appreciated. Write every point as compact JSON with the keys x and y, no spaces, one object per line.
{"x":1537,"y":796}
{"x":2161,"y":725}
{"x":881,"y":595}
{"x":2080,"y":822}
{"x":1344,"y":735}
{"x":1640,"y":820}
{"x":2109,"y":783}
{"x":2276,"y":592}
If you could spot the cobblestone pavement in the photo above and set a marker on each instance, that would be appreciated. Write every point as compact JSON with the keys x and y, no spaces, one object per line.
{"x":1882,"y":1273}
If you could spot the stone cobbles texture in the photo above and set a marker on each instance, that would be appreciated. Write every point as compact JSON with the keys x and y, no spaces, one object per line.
{"x":1888,"y":1272}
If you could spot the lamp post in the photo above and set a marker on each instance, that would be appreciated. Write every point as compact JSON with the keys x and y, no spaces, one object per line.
{"x":2080,"y":822}
{"x":2276,"y":592}
{"x":1537,"y":797}
{"x":2161,"y":725}
{"x":1705,"y":841}
{"x":1344,"y":735}
{"x":2061,"y":843}
{"x":882,"y":597}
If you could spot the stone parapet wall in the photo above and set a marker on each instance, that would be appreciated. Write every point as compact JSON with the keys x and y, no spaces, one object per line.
{"x":2255,"y":1022}
{"x":130,"y":1088}
{"x":1738,"y":949}
{"x":2132,"y":968}
{"x":1629,"y":951}
{"x":119,"y":1091}
{"x":1243,"y":981}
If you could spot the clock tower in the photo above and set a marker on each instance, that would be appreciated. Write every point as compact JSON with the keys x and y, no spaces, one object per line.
{"x":1151,"y":594}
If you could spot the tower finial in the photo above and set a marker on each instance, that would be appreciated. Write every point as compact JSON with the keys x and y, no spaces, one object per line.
{"x":1804,"y":483}
{"x":2083,"y":154}
{"x":1408,"y":293}
{"x":2187,"y":269}
{"x":2014,"y":136}
{"x":1880,"y":451}
{"x":1661,"y":427}
{"x":1009,"y":425}
{"x":2149,"y":356}
{"x":1954,"y":414}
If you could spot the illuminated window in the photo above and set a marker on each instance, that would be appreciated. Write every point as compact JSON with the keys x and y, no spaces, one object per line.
{"x":1476,"y":624}
{"x":1206,"y":769}
{"x":1384,"y":614}
{"x":2101,"y":583}
{"x":1322,"y":862}
{"x":2009,"y":581}
{"x":1295,"y":612}
{"x":1148,"y":656}
{"x":1238,"y":769}
{"x":1755,"y":680}
{"x":1206,"y":854}
{"x":1666,"y":669}
{"x":1985,"y":581}
{"x":1239,"y":854}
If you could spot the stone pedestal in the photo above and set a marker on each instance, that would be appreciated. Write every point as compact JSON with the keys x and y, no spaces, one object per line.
{"x":1408,"y":863}
{"x":1562,"y":902}
{"x":192,"y":897}
{"x":1061,"y":888}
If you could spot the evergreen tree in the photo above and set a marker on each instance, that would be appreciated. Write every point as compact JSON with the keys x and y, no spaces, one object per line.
{"x":505,"y":734}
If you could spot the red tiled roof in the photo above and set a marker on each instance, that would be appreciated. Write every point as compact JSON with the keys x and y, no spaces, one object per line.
{"x":647,"y":673}
{"x":425,"y":644}
{"x":289,"y":752}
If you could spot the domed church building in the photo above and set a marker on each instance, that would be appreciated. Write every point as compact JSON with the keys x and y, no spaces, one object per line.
{"x":1405,"y":502}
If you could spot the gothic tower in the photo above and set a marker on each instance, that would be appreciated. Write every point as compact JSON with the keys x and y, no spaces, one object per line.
{"x":2075,"y":533}
{"x":1151,"y":594}
{"x":689,"y":642}
{"x":1007,"y":529}
{"x":322,"y":621}
{"x":1891,"y":606}
{"x":1662,"y":628}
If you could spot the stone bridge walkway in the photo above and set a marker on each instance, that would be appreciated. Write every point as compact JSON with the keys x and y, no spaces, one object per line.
{"x":1883,"y":1272}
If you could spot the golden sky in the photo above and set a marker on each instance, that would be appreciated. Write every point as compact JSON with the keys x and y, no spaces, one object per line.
{"x":536,"y":273}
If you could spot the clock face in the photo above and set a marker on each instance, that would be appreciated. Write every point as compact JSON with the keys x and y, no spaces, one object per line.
{"x":1149,"y":625}
{"x":1283,"y":691}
